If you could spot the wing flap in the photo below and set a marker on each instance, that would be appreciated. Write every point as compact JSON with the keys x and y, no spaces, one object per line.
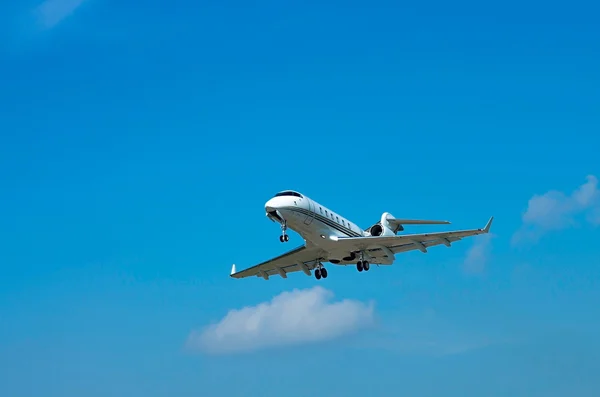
{"x":410,"y":246}
{"x":302,"y":258}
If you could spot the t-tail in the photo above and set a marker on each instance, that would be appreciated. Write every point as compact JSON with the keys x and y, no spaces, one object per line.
{"x":389,"y":225}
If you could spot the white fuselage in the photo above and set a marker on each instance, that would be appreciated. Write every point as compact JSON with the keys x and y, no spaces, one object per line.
{"x":314,"y":222}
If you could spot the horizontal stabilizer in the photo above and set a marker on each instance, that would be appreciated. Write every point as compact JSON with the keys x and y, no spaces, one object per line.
{"x":396,"y":221}
{"x":398,"y":224}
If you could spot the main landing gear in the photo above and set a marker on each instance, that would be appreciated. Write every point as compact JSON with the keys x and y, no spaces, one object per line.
{"x":284,"y":237}
{"x":320,"y":271}
{"x":362,"y":264}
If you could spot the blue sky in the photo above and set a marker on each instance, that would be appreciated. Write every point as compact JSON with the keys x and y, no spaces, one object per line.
{"x":139,"y":145}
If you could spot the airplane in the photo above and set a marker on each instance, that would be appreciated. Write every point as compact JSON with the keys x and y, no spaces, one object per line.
{"x":330,"y":237}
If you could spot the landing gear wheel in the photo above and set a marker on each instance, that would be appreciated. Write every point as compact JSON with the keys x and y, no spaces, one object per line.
{"x":318,"y":274}
{"x":366,"y":266}
{"x":286,"y":237}
{"x":359,"y":266}
{"x":324,"y":273}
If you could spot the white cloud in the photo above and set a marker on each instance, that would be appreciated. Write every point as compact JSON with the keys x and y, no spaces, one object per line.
{"x":554,"y":210}
{"x":294,"y":317}
{"x":51,"y":12}
{"x":478,"y":254}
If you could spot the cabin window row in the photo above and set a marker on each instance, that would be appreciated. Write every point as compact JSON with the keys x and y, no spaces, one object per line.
{"x":336,"y":218}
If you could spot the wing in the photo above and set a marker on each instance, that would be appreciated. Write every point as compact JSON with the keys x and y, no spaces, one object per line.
{"x":302,"y":258}
{"x":407,"y":242}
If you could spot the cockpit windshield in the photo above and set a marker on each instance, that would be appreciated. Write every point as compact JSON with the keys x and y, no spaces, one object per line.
{"x":288,"y":193}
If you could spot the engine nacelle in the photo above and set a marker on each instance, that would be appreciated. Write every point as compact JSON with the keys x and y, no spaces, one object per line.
{"x":383,"y":227}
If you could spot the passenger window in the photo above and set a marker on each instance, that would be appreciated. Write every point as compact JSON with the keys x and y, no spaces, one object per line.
{"x":326,"y":213}
{"x":321,"y":209}
{"x":337,"y":219}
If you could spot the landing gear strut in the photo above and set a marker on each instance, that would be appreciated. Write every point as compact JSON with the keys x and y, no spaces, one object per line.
{"x":284,"y":237}
{"x":362,"y":264}
{"x":320,"y":271}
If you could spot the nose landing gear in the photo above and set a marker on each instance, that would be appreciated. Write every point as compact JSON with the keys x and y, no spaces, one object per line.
{"x":284,"y":237}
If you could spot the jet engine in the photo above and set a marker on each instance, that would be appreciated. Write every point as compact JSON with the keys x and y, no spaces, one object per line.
{"x":383,"y":227}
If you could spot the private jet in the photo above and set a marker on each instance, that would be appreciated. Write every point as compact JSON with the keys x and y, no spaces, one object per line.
{"x":329,"y":237}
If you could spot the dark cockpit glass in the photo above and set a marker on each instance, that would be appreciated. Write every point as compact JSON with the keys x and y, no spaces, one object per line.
{"x":288,"y":193}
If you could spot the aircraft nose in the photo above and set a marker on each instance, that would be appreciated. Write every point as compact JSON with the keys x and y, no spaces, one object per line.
{"x":271,"y":205}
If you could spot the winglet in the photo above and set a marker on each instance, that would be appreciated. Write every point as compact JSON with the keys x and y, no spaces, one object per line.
{"x":486,"y":229}
{"x":232,"y":270}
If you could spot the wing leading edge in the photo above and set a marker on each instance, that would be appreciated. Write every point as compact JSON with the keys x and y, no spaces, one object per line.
{"x":302,"y":258}
{"x":408,"y":242}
